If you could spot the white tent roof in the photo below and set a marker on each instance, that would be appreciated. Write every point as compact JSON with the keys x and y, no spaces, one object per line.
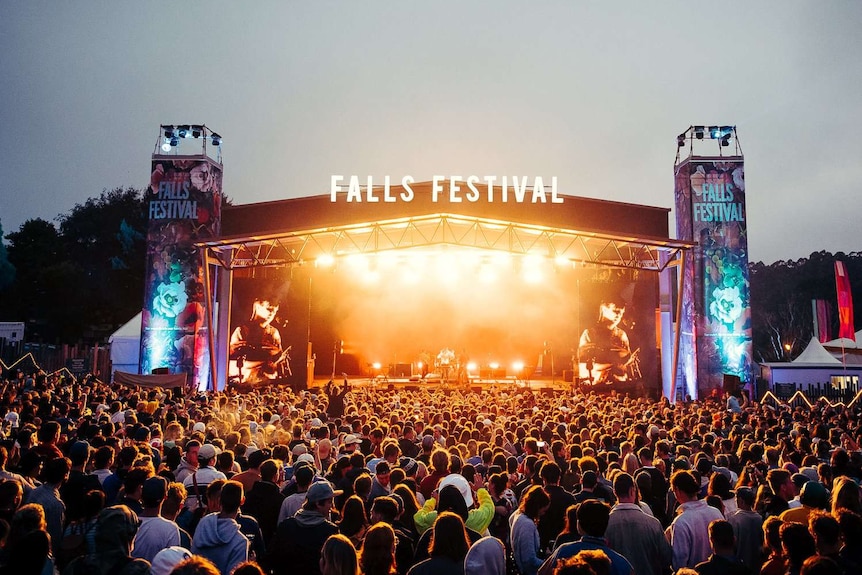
{"x":845,"y":342}
{"x":815,"y":353}
{"x":130,"y":329}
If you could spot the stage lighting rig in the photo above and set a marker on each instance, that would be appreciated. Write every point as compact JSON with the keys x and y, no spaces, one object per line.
{"x":697,"y":136}
{"x":170,"y":136}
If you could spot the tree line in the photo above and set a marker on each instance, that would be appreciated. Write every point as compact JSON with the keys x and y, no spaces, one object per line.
{"x":79,"y":278}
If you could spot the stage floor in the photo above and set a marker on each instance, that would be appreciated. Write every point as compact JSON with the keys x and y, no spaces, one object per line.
{"x":476,"y":384}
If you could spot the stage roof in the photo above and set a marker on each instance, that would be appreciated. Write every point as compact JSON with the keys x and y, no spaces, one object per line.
{"x":295,"y":231}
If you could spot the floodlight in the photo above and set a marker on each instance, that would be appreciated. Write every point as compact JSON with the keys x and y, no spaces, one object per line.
{"x":216,"y":139}
{"x":175,"y":141}
{"x":166,"y":146}
{"x":196,"y":131}
{"x":183,"y":131}
{"x":698,"y":132}
{"x":169,"y":130}
{"x":680,"y":140}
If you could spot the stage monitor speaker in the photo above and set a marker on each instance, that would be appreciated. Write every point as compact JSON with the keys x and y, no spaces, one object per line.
{"x":400,"y":370}
{"x":161,"y":371}
{"x":568,"y":375}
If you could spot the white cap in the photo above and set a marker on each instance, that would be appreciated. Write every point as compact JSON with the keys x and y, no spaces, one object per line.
{"x":199,"y":426}
{"x":168,"y":558}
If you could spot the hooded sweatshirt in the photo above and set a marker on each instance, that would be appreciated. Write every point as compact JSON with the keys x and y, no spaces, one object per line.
{"x":487,"y":556}
{"x":298,"y":541}
{"x":220,"y":540}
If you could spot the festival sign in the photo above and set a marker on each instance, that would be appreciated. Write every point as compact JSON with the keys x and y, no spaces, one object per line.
{"x":710,"y":203}
{"x":184,"y":203}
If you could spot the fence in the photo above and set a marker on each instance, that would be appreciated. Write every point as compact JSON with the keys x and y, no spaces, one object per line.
{"x":77,"y":359}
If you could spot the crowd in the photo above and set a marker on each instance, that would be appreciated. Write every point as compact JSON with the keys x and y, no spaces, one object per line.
{"x":107,"y":480}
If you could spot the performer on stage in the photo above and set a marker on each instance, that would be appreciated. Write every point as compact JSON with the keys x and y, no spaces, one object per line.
{"x":463,"y":359}
{"x":424,"y":362}
{"x":255,"y":347}
{"x":604,"y":351}
{"x":445,"y":360}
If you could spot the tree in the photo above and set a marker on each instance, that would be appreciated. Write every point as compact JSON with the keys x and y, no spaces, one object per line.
{"x":7,"y":270}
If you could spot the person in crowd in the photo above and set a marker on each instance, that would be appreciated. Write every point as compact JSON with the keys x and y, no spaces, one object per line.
{"x":338,"y":557}
{"x":593,"y":517}
{"x":265,"y":499}
{"x":155,"y":532}
{"x":377,"y":556}
{"x":115,"y":531}
{"x":723,"y":560}
{"x":448,"y":548}
{"x":525,"y":542}
{"x":748,"y":528}
{"x":218,"y":536}
{"x":299,"y":539}
{"x":47,"y":496}
{"x":797,"y":544}
{"x":689,"y":531}
{"x":634,"y":534}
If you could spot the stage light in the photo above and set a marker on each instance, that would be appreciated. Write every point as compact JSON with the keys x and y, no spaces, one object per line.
{"x":517,"y":366}
{"x":216,"y":139}
{"x":698,"y":132}
{"x":175,"y":142}
{"x":725,"y":141}
{"x":183,"y":131}
{"x":471,"y":367}
{"x":324,"y":261}
{"x":166,"y":146}
{"x":169,"y":130}
{"x":680,"y":140}
{"x":196,"y":131}
{"x":376,"y":365}
{"x":494,"y":365}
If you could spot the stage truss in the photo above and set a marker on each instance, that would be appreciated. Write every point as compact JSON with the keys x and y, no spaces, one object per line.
{"x":303,"y":247}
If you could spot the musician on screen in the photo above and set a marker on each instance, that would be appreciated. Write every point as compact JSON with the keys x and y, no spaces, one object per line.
{"x":255,"y":347}
{"x":604,"y":351}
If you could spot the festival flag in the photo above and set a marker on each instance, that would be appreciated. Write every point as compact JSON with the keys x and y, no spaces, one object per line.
{"x":822,"y":322}
{"x":845,"y":302}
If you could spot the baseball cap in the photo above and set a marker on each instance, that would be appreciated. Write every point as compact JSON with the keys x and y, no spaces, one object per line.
{"x":207,"y":452}
{"x":350,"y":439}
{"x":168,"y":558}
{"x":460,"y":482}
{"x":305,"y":457}
{"x":199,"y":426}
{"x":320,"y":491}
{"x":155,"y":488}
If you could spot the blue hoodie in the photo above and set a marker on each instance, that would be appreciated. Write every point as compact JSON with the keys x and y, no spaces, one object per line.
{"x":220,"y":541}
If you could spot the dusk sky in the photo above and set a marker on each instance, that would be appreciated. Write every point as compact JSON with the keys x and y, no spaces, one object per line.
{"x":593,"y":93}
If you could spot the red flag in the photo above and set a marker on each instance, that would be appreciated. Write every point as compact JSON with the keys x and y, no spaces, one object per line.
{"x":822,"y":321}
{"x":845,"y":302}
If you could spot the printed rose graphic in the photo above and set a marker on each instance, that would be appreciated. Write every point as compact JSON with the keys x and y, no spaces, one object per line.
{"x":170,"y":299}
{"x":726,"y":306}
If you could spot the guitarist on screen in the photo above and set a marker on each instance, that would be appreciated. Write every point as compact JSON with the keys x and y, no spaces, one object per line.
{"x":255,"y":346}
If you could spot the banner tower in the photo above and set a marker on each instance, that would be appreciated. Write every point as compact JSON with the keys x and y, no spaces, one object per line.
{"x":715,"y":345}
{"x":184,"y":202}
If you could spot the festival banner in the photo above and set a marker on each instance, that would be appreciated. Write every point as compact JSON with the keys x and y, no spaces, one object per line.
{"x":184,"y":203}
{"x":713,"y":191}
{"x":845,"y":302}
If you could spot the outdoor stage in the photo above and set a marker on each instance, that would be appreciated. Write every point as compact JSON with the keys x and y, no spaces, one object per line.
{"x":544,"y":385}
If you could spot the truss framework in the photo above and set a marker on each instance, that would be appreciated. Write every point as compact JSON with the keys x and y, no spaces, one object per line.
{"x":300,"y":247}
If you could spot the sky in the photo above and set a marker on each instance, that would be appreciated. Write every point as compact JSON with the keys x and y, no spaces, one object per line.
{"x":593,"y":93}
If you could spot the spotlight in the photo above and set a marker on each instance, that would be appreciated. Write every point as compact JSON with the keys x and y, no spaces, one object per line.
{"x":169,"y":130}
{"x":183,"y":131}
{"x":714,"y":132}
{"x":175,"y":141}
{"x":680,"y":140}
{"x":725,"y":140}
{"x":166,"y":146}
{"x":216,"y":139}
{"x":196,"y":131}
{"x":698,"y":132}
